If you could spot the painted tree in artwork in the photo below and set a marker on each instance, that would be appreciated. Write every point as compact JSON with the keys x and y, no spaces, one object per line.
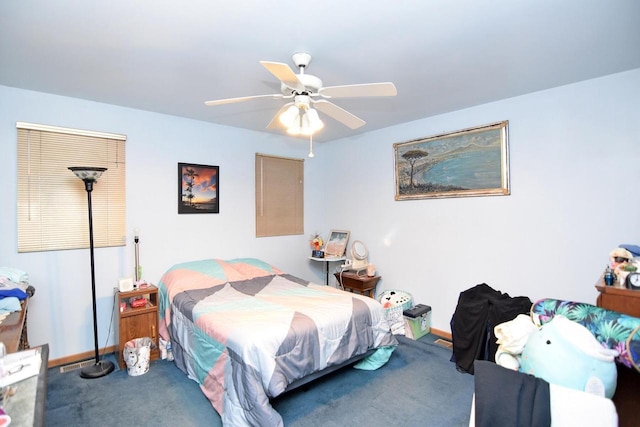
{"x":412,"y":156}
{"x":189,"y":179}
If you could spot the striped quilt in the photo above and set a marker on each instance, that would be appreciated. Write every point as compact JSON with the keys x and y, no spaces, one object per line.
{"x":244,"y":331}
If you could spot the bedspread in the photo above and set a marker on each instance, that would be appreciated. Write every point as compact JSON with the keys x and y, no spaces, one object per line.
{"x":245,"y":330}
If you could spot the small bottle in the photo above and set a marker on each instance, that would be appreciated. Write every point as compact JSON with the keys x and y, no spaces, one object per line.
{"x":163,"y":349}
{"x":169,"y":351}
{"x":609,"y":276}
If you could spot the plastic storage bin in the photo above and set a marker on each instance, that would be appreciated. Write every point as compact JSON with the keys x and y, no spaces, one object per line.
{"x":417,"y":321}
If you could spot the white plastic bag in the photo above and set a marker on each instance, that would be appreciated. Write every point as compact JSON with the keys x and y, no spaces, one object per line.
{"x":137,"y":354}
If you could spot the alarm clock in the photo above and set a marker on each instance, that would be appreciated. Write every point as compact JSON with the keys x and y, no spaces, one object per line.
{"x":633,"y":280}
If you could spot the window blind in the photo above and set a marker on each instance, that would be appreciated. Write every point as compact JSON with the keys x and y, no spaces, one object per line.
{"x":52,"y":205}
{"x":279,"y":196}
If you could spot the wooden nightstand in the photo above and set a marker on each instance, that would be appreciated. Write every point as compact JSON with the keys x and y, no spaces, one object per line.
{"x":358,"y":283}
{"x":618,"y":299}
{"x":625,"y":301}
{"x":137,"y":322}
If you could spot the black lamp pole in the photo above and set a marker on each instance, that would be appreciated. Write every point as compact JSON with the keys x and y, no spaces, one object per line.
{"x":100,"y":368}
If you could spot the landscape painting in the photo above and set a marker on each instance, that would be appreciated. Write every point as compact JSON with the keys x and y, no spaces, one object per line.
{"x":469,"y":162}
{"x":198,"y":188}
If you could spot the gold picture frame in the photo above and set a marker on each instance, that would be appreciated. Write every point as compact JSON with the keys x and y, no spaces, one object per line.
{"x":464,"y":163}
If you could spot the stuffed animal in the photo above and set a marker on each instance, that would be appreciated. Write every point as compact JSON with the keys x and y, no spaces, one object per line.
{"x":620,"y":260}
{"x":564,"y":352}
{"x":512,"y":337}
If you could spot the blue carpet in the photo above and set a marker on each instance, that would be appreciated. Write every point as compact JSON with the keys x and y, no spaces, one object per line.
{"x":419,"y":386}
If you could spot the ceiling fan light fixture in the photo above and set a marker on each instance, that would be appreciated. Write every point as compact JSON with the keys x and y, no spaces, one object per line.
{"x":302,"y":87}
{"x":315,"y":124}
{"x":295,"y":128}
{"x":290,"y":116}
{"x":305,"y":123}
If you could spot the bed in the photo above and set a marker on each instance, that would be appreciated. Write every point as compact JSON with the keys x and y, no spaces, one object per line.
{"x":248,"y":332}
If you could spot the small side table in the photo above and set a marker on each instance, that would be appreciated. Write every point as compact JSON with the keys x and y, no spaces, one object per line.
{"x":326,"y":261}
{"x":358,"y":283}
{"x":137,"y":322}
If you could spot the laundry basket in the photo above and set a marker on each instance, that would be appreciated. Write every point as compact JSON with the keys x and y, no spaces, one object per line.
{"x":395,"y":302}
{"x":137,"y":354}
{"x":395,"y":297}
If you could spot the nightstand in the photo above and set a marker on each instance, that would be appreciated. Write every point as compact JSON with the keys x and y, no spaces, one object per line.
{"x":326,"y":261}
{"x":626,"y":301}
{"x":618,"y":299}
{"x":137,"y":322}
{"x":357,"y":283}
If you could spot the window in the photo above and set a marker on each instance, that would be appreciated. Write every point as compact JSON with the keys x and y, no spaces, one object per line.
{"x":52,"y":202}
{"x":279,"y":196}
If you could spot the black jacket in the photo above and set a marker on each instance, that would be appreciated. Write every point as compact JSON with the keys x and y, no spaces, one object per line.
{"x":479,"y":310}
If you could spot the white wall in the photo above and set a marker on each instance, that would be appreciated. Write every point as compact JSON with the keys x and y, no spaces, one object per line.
{"x":60,"y":312}
{"x":575,"y":162}
{"x":573,"y":177}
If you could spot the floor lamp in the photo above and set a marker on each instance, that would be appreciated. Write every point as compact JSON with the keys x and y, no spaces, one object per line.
{"x":101,"y":367}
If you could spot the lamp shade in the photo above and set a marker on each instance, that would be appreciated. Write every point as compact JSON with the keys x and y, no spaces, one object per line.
{"x":290,"y":116}
{"x":315,"y":124}
{"x":306,"y":124}
{"x":87,"y":173}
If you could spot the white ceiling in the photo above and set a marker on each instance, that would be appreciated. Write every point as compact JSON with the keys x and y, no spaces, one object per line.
{"x":443,"y":55}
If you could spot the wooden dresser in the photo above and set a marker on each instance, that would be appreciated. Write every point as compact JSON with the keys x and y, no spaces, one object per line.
{"x":13,"y":329}
{"x":625,"y":301}
{"x":618,"y":299}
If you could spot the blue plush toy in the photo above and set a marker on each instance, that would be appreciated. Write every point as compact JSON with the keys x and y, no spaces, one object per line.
{"x":564,"y":352}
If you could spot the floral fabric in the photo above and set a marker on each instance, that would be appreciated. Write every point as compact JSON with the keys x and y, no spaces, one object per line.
{"x":613,"y":330}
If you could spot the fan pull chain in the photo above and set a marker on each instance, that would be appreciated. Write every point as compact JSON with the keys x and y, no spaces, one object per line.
{"x":311,"y":146}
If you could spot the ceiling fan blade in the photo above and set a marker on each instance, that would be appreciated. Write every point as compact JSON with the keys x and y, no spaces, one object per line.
{"x":353,"y":91}
{"x":275,"y":121}
{"x":242,"y":99}
{"x":340,"y":114}
{"x":284,"y":73}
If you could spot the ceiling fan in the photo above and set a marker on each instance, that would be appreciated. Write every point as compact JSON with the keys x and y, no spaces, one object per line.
{"x":305,"y":91}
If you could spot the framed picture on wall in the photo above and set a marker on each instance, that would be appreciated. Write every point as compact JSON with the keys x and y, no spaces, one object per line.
{"x":469,"y":162}
{"x":198,"y":188}
{"x":336,"y":243}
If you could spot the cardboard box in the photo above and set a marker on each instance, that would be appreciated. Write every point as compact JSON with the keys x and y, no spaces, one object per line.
{"x":417,"y":327}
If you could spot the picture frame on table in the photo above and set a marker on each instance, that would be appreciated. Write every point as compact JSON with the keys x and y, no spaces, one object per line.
{"x":198,"y":188}
{"x":336,"y":245}
{"x":464,"y":163}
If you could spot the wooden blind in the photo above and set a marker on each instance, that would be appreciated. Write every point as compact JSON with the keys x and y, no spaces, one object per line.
{"x":52,"y":202}
{"x":279,"y":196}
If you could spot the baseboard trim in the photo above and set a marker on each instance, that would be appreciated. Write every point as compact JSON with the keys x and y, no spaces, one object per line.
{"x":442,"y":334}
{"x":112,"y":349}
{"x":67,"y":360}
